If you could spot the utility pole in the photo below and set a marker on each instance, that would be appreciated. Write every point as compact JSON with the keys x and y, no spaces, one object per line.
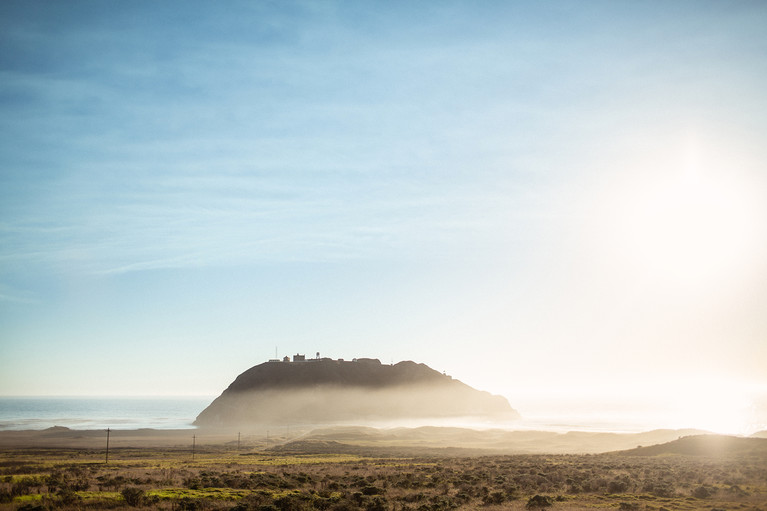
{"x":238,"y":440}
{"x":107,"y":460}
{"x":194,"y":444}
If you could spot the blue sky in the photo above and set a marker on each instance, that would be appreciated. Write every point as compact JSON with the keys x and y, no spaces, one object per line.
{"x":491,"y":189}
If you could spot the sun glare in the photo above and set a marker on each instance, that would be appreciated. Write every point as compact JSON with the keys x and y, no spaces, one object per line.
{"x":692,"y":226}
{"x":717,"y":407}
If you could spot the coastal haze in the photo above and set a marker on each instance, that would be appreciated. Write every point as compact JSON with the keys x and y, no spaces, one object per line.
{"x":558,"y":204}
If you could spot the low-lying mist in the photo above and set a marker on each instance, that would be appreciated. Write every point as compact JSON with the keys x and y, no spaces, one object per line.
{"x":327,"y":404}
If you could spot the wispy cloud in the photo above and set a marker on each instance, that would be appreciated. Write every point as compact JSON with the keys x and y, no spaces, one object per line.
{"x":174,"y":220}
{"x":9,"y":294}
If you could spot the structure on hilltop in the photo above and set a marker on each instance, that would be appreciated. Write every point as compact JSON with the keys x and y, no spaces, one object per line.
{"x":302,"y":358}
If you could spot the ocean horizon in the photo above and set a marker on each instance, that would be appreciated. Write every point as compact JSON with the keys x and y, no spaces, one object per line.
{"x":19,"y":413}
{"x":100,"y":412}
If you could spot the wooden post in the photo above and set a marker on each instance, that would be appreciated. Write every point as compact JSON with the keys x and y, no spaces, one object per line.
{"x":194,"y":445}
{"x":238,"y":440}
{"x":107,"y":460}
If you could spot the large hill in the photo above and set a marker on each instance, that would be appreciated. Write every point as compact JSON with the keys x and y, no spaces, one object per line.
{"x":333,"y":391}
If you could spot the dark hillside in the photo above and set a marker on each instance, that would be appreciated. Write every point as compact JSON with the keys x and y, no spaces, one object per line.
{"x":361,"y":373}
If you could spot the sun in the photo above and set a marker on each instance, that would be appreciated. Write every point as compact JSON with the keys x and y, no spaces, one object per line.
{"x":690,"y":226}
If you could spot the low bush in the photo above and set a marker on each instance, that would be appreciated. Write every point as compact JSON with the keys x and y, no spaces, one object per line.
{"x":133,"y":496}
{"x":539,"y":501}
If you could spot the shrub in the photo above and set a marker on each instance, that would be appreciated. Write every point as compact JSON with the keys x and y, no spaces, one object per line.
{"x":293,"y":502}
{"x":133,"y":496}
{"x":617,"y":486}
{"x":190,"y":504}
{"x":737,"y":490}
{"x":68,"y":497}
{"x":376,"y":503}
{"x":494,"y":497}
{"x":344,"y":505}
{"x":538,"y":501}
{"x":32,"y":506}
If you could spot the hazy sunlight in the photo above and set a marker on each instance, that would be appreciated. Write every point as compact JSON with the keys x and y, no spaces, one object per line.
{"x":691,"y":227}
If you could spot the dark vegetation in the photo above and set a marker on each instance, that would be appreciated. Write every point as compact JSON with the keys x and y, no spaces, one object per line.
{"x":270,"y":481}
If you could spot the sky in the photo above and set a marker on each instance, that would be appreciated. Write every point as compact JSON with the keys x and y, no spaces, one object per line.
{"x":560,"y":202}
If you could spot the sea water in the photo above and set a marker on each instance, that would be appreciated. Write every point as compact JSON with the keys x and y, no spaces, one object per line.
{"x":127,"y":413}
{"x":23,"y":413}
{"x":36,"y":413}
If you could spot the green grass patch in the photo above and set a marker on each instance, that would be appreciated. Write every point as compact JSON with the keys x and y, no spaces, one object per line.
{"x":32,"y":497}
{"x":15,"y":478}
{"x":298,"y":459}
{"x":99,"y":495}
{"x":203,"y":493}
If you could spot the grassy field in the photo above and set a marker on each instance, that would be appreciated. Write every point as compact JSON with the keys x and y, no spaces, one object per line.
{"x":267,"y":481}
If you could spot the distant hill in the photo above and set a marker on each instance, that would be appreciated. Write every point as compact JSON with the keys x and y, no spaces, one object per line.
{"x":322,"y":391}
{"x":704,"y":445}
{"x":455,"y":440}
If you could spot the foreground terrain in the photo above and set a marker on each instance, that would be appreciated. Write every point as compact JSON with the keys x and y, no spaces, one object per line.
{"x":213,"y":478}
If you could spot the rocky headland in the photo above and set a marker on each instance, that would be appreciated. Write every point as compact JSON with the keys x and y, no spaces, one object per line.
{"x":320,"y":391}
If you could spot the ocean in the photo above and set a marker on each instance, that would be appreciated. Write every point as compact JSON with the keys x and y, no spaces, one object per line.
{"x":21,"y":413}
{"x":36,"y":413}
